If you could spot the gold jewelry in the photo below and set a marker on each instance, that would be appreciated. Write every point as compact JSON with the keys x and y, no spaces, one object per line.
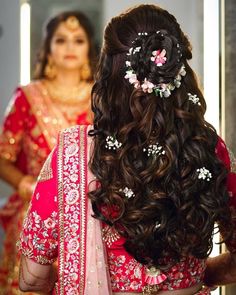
{"x":74,"y":95}
{"x":109,"y":235}
{"x":85,"y":72}
{"x":26,"y":187}
{"x":50,"y":70}
{"x":72,"y":23}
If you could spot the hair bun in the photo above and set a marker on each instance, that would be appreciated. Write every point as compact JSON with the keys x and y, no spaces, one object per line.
{"x":156,"y":57}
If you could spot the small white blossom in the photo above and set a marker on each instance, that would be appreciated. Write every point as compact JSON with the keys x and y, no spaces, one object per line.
{"x":194,"y":98}
{"x":204,"y":174}
{"x":137,"y":49}
{"x":154,"y":150}
{"x":128,"y":192}
{"x":112,"y":143}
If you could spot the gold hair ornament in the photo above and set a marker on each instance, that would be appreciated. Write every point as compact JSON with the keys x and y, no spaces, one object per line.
{"x":72,"y":23}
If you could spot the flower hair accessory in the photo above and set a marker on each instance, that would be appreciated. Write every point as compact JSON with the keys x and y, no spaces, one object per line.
{"x":112,"y":143}
{"x":159,"y":58}
{"x":154,"y":150}
{"x":194,"y":98}
{"x":127,"y":192}
{"x":204,"y":174}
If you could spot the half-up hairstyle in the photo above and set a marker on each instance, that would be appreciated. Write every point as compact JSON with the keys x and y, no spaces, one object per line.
{"x":172,"y":210}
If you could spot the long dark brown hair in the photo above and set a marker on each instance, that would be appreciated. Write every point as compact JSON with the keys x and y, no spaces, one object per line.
{"x":50,"y":29}
{"x":173,"y":211}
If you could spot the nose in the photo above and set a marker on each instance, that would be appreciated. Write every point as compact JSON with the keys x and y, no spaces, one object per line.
{"x":70,"y":45}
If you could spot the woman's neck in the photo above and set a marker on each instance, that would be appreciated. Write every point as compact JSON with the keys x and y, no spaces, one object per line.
{"x":67,"y":79}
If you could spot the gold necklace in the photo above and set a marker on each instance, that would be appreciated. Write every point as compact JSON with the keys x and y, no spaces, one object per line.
{"x":78,"y":94}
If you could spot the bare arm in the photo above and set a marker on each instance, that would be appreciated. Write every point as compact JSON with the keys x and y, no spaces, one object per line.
{"x":221,"y":270}
{"x":36,"y":277}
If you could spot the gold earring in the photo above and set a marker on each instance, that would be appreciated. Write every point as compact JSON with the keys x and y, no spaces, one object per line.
{"x":85,"y":72}
{"x":50,"y":70}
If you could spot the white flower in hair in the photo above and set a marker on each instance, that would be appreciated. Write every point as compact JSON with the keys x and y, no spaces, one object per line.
{"x":157,"y":225}
{"x":128,"y":192}
{"x":137,"y":49}
{"x":130,"y":51}
{"x":154,"y":150}
{"x":194,"y":98}
{"x":112,"y":143}
{"x":132,"y":77}
{"x":204,"y":174}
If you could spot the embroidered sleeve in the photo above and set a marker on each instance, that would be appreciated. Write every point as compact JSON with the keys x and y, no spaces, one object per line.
{"x":12,"y":131}
{"x":229,"y":161}
{"x":39,"y":237}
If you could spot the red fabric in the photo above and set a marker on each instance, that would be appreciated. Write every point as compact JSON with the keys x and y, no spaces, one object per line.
{"x":22,"y":142}
{"x":127,"y":275}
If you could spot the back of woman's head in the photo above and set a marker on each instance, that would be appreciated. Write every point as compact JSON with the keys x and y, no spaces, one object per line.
{"x":154,"y":154}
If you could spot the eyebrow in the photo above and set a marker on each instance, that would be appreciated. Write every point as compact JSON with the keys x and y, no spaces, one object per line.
{"x":64,"y":35}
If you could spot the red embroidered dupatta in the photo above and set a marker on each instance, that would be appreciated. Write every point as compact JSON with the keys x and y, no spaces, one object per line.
{"x":82,"y":260}
{"x":49,"y":117}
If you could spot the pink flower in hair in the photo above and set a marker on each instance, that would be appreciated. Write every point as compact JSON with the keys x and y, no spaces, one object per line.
{"x":132,"y":77}
{"x":147,"y":86}
{"x":159,"y":57}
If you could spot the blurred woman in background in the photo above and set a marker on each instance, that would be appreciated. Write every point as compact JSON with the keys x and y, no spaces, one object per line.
{"x":58,"y":97}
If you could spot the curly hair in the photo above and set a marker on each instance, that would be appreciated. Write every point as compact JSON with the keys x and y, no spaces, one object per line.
{"x":173,"y":212}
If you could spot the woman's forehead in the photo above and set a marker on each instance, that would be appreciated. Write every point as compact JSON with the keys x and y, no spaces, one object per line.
{"x":62,"y":30}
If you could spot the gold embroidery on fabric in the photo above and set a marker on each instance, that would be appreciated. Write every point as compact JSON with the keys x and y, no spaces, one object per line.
{"x":109,"y":235}
{"x":83,"y":208}
{"x":150,"y":289}
{"x":61,"y":216}
{"x":46,"y":172}
{"x":72,"y":227}
{"x":232,"y":161}
{"x":49,"y":117}
{"x":29,"y":253}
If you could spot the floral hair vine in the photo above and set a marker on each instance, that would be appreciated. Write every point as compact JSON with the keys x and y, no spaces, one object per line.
{"x":159,"y":58}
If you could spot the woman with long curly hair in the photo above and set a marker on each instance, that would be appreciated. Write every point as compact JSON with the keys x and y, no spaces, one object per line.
{"x":145,"y":188}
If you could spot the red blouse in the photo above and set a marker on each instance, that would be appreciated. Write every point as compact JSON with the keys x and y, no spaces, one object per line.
{"x":39,"y":241}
